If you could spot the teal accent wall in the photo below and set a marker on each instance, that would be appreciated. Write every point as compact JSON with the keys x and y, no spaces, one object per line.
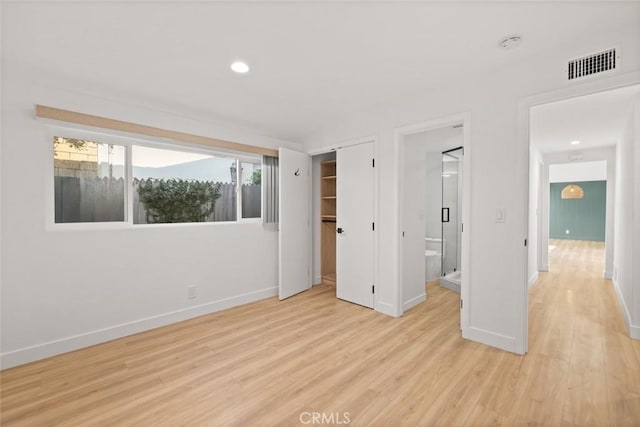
{"x":584,"y":218}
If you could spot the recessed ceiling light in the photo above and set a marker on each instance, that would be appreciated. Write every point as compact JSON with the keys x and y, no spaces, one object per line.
{"x":510,"y":42}
{"x":240,"y":67}
{"x":575,"y":142}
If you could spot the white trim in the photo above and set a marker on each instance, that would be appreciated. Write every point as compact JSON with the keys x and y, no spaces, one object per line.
{"x":500,"y":341}
{"x":387,"y":308}
{"x":64,"y":345}
{"x":414,"y":301}
{"x":634,"y":330}
{"x":376,"y":220}
{"x":399,"y":134}
{"x":608,"y":275}
{"x":347,"y":143}
{"x":572,"y":90}
{"x":533,"y":279}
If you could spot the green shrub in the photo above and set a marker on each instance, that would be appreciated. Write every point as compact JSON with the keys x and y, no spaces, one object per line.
{"x":178,"y":200}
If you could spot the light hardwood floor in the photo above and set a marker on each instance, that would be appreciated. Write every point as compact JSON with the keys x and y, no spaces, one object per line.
{"x":266,"y":363}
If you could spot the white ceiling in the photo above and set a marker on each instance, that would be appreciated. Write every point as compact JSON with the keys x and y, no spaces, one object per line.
{"x":311,"y":62}
{"x":595,"y":120}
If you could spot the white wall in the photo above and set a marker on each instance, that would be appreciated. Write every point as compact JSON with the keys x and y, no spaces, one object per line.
{"x":580,"y":171}
{"x":316,"y":220}
{"x":414,"y":204}
{"x":63,"y":290}
{"x":498,"y":176}
{"x":625,"y":273}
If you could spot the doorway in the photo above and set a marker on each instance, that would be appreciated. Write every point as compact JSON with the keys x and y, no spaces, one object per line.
{"x":433,"y":195}
{"x":343,"y":222}
{"x":576,"y":205}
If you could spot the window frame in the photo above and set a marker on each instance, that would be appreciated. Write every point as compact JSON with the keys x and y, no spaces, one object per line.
{"x":123,"y":139}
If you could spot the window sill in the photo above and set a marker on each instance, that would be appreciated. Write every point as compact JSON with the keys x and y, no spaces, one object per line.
{"x":110,"y":226}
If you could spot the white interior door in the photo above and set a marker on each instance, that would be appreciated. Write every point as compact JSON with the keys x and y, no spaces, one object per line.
{"x":293,"y":176}
{"x":355,"y":215}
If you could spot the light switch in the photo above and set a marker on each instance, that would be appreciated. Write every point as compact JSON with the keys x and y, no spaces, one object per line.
{"x":500,"y":215}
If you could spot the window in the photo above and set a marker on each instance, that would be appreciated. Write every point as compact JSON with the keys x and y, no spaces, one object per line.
{"x":251,"y":179}
{"x":172,"y":186}
{"x":166,"y":185}
{"x":89,"y":183}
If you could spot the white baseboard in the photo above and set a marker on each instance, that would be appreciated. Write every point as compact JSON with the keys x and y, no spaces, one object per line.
{"x":386,"y":308}
{"x":455,"y":287}
{"x":543,"y":267}
{"x":634,"y":331}
{"x":489,"y":338}
{"x":608,"y":275}
{"x":533,"y":279}
{"x":414,"y":301}
{"x":64,"y":345}
{"x":317,"y":280}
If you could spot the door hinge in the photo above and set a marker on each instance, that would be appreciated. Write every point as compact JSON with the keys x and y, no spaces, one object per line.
{"x":373,"y":163}
{"x":373,"y":226}
{"x":460,"y":304}
{"x":403,"y":234}
{"x":525,"y":243}
{"x":462,"y":227}
{"x":373,"y":289}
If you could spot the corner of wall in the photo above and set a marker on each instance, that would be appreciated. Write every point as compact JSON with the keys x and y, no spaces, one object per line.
{"x":414,"y":301}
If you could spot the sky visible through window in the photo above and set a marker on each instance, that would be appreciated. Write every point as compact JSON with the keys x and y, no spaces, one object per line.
{"x":157,"y":158}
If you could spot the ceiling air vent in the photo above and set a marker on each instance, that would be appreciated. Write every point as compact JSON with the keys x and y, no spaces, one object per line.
{"x":592,"y":64}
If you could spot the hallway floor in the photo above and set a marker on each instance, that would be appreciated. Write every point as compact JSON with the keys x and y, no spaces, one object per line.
{"x":277,"y":362}
{"x":576,"y":330}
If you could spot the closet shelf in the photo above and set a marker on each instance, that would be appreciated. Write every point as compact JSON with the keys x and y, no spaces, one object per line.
{"x":329,"y":177}
{"x":329,"y":197}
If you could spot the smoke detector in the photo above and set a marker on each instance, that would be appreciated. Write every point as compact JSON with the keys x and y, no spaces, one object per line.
{"x":510,"y":42}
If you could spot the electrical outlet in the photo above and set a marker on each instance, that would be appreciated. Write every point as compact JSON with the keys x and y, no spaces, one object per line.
{"x":192,"y":292}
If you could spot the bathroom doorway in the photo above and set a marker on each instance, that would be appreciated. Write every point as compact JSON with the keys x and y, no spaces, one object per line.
{"x":432,"y":246}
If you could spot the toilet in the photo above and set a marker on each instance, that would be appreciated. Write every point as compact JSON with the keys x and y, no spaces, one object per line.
{"x":433,"y":258}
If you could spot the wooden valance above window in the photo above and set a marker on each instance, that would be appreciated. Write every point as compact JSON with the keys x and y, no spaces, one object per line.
{"x":118,"y":125}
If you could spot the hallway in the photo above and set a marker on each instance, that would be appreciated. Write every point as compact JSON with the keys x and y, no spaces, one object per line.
{"x":577,"y":332}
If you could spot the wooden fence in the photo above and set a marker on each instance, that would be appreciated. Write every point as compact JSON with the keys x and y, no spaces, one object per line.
{"x":80,"y":199}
